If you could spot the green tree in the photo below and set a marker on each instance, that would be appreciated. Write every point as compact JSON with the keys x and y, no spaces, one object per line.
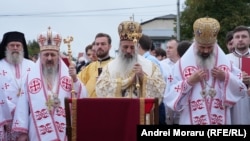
{"x":230,"y":13}
{"x":33,"y":48}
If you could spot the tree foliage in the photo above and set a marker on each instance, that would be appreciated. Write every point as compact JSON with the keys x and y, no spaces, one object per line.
{"x":33,"y":48}
{"x":230,"y":13}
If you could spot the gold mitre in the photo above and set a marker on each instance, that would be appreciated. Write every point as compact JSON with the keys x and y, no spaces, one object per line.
{"x":206,"y":30}
{"x":49,"y":40}
{"x":130,"y":30}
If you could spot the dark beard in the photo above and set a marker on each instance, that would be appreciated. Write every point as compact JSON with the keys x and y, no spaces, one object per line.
{"x":243,"y":48}
{"x":101,"y":54}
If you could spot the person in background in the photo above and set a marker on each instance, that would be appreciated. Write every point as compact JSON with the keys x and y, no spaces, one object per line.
{"x":152,"y":49}
{"x":120,"y":77}
{"x":15,"y":65}
{"x":172,"y":57}
{"x":205,"y":85}
{"x":167,"y":65}
{"x":90,"y":73}
{"x":241,"y":41}
{"x":34,"y":57}
{"x":144,"y":46}
{"x":229,"y":42}
{"x":173,"y":116}
{"x":183,"y":46}
{"x":171,"y":51}
{"x":40,"y":111}
{"x":160,"y":54}
{"x":80,"y":64}
{"x":90,"y":54}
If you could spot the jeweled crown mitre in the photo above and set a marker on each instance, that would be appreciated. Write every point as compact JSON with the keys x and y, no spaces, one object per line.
{"x":129,"y":30}
{"x":206,"y":30}
{"x":49,"y":40}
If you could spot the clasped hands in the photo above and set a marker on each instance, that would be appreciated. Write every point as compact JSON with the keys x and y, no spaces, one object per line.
{"x":137,"y":69}
{"x":201,"y":74}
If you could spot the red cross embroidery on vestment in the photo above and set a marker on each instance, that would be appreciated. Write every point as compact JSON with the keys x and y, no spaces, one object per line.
{"x":197,"y":105}
{"x":35,"y":85}
{"x":41,"y":114}
{"x":66,"y":83}
{"x":44,"y":129}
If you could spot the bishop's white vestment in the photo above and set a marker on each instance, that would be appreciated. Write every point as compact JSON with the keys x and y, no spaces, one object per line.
{"x":211,"y":107}
{"x":34,"y":113}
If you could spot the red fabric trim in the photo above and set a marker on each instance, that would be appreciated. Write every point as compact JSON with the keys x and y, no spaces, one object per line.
{"x":107,"y":119}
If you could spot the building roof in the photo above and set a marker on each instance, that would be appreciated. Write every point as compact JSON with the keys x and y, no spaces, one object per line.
{"x":166,"y":17}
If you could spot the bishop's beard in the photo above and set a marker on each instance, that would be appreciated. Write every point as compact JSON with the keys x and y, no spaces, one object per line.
{"x":50,"y":72}
{"x":125,"y":64}
{"x":206,"y":62}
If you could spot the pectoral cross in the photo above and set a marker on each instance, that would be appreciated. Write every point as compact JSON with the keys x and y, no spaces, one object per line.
{"x":49,"y":103}
{"x":203,"y":93}
{"x":19,"y":92}
{"x":212,"y":92}
{"x":56,"y":101}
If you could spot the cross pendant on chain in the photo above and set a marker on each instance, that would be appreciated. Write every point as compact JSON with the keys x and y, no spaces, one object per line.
{"x":212,"y":92}
{"x":49,"y":103}
{"x":19,"y":92}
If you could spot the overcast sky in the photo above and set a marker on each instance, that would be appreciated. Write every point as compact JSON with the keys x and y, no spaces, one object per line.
{"x":81,"y":19}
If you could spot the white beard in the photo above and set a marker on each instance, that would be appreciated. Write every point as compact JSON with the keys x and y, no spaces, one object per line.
{"x":14,"y":58}
{"x":124,"y":65}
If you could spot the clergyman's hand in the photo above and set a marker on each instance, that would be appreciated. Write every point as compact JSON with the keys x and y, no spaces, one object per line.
{"x":218,"y":73}
{"x":196,"y":77}
{"x":23,"y":137}
{"x":138,"y":70}
{"x":246,"y":78}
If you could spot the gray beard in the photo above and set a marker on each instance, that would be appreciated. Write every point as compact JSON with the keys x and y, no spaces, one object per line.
{"x":50,"y":72}
{"x":14,"y":58}
{"x":125,"y":65}
{"x":206,"y":63}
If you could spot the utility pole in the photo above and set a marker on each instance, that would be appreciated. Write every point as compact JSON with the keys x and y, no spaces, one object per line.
{"x":132,"y":18}
{"x":178,"y":20}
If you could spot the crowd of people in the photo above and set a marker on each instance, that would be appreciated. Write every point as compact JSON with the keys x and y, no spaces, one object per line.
{"x":195,"y":81}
